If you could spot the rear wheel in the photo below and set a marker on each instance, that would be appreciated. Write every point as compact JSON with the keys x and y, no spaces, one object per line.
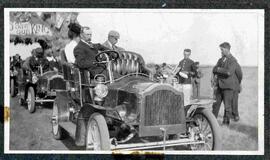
{"x":205,"y":129}
{"x":56,"y":129}
{"x":31,"y":100}
{"x":97,"y":134}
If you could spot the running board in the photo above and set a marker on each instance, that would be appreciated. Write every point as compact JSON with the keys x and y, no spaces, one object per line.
{"x":149,"y":145}
{"x":44,"y":100}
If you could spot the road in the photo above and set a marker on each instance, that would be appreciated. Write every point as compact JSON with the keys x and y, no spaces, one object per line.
{"x":33,"y":131}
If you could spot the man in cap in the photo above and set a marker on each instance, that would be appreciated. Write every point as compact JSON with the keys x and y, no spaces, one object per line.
{"x":110,"y":43}
{"x":185,"y":66}
{"x":39,"y":60}
{"x":227,"y":82}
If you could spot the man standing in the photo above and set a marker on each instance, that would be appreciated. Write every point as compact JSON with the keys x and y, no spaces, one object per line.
{"x":227,"y":82}
{"x":196,"y":80}
{"x":113,"y":37}
{"x":185,"y":66}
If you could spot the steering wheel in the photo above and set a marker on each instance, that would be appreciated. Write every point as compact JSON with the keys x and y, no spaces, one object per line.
{"x":113,"y":55}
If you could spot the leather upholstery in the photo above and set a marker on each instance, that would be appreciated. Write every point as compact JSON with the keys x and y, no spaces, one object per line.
{"x":128,"y":62}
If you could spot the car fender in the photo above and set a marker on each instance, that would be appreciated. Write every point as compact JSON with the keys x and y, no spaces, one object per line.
{"x":85,"y":113}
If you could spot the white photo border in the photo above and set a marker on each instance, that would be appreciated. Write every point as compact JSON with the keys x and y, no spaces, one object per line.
{"x":260,"y":14}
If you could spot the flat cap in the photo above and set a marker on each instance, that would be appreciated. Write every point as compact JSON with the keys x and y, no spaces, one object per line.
{"x":114,"y":34}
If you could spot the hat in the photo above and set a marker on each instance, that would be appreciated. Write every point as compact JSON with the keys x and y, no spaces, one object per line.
{"x":75,"y":27}
{"x":114,"y":34}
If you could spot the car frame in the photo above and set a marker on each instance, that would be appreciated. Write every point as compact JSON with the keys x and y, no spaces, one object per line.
{"x":131,"y":111}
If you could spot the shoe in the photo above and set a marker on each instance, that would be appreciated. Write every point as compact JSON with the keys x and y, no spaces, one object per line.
{"x":236,"y":118}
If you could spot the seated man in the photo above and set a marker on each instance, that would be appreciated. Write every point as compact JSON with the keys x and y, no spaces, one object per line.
{"x":113,"y":37}
{"x":39,"y":60}
{"x":85,"y":51}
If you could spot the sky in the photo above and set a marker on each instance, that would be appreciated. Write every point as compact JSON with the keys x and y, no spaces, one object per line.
{"x":162,"y":35}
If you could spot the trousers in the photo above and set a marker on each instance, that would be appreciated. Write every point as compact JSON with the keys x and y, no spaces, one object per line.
{"x":225,"y":96}
{"x":235,"y":104}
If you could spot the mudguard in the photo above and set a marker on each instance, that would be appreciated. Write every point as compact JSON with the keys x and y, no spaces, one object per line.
{"x":85,"y":112}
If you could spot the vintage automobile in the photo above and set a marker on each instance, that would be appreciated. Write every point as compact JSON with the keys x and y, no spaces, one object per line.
{"x":130,"y":110}
{"x":39,"y":87}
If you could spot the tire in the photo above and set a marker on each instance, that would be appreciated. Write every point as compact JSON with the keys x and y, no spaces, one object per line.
{"x":97,"y":131}
{"x":31,"y":100}
{"x":204,"y":113}
{"x":12,"y":87}
{"x":57,"y":130}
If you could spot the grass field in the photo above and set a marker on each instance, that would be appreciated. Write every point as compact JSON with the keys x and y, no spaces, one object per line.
{"x":241,"y":135}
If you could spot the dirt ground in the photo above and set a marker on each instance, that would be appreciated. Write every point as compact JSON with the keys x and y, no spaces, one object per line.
{"x":33,"y":131}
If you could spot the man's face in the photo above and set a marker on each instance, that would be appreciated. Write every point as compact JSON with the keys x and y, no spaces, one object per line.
{"x":224,"y":51}
{"x":186,"y":54}
{"x":17,"y":56}
{"x":113,"y":40}
{"x":87,"y":35}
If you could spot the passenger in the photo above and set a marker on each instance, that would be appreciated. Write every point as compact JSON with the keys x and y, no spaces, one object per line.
{"x":53,"y":64}
{"x":112,"y":40}
{"x":69,"y":48}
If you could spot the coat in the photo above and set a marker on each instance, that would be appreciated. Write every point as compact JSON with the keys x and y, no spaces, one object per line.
{"x":186,"y":65}
{"x":226,"y":69}
{"x":116,"y":48}
{"x":85,"y":54}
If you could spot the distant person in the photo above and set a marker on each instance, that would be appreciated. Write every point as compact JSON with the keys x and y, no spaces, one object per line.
{"x":157,"y":72}
{"x":16,"y":63}
{"x":239,"y":76}
{"x":185,"y":66}
{"x":227,"y":82}
{"x":196,"y":80}
{"x":112,"y":40}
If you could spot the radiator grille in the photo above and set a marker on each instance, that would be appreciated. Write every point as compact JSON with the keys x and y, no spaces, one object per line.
{"x":163,"y":107}
{"x":57,"y":83}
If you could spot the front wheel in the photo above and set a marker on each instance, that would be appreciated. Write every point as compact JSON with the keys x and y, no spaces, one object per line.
{"x":97,"y":134}
{"x":205,"y":128}
{"x":31,"y":100}
{"x":56,"y":128}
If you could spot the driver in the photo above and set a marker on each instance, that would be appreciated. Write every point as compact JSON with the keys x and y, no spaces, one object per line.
{"x":39,"y":59}
{"x":85,"y":51}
